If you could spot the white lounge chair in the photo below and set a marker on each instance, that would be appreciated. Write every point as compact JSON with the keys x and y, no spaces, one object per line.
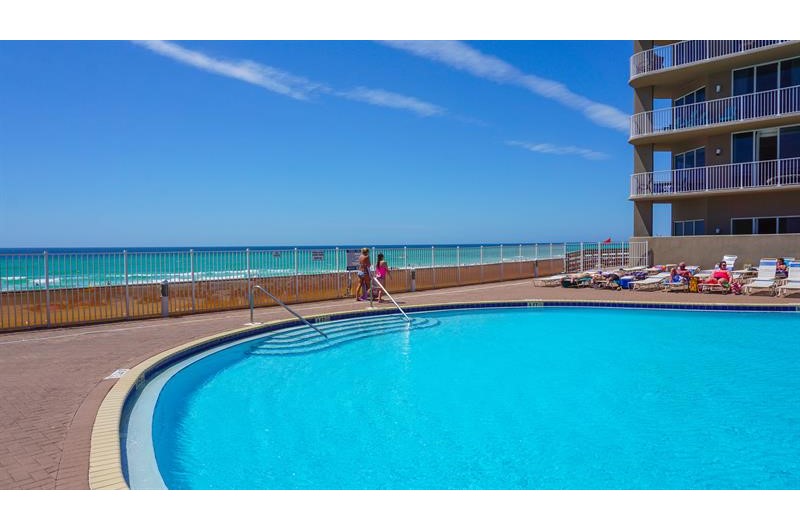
{"x":651,"y":283}
{"x":633,"y":269}
{"x":549,"y":281}
{"x":673,"y":287}
{"x":792,"y":284}
{"x":729,"y":260}
{"x":765,"y":279}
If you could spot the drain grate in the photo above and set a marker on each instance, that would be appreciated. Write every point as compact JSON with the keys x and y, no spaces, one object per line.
{"x":116,"y":374}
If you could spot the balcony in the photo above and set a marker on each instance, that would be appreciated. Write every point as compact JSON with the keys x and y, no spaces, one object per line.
{"x":765,"y":175}
{"x":690,"y":52}
{"x":720,"y":114}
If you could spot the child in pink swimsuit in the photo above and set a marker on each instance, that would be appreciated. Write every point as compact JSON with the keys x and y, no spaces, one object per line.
{"x":381,"y":274}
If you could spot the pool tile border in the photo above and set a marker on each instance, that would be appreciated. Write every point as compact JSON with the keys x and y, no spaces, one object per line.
{"x":105,"y":458}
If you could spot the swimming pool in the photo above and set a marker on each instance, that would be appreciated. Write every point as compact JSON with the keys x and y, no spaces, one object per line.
{"x":505,"y":398}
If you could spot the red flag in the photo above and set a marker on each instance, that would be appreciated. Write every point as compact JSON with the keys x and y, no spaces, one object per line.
{"x":607,"y":240}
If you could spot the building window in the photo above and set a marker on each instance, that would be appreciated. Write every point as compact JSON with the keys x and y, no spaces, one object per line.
{"x":694,"y":227}
{"x":698,"y":96}
{"x":766,"y":144}
{"x":790,"y":72}
{"x":690,"y":159}
{"x":789,"y":225}
{"x":789,"y":145}
{"x":765,"y":77}
{"x":741,"y":226}
{"x":766,"y":225}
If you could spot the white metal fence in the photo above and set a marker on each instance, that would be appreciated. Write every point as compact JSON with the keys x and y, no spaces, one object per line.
{"x":747,"y":175}
{"x":692,"y":51}
{"x":759,"y":105}
{"x":605,"y":256}
{"x":51,"y":289}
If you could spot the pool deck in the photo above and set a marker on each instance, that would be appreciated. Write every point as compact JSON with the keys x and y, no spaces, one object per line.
{"x":53,"y":381}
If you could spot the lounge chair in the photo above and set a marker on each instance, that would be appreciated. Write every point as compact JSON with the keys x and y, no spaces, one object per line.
{"x":765,"y":279}
{"x":680,"y":285}
{"x":730,"y":261}
{"x":581,"y":279}
{"x":604,"y":280}
{"x":792,"y":284}
{"x":651,"y":283}
{"x":549,"y":281}
{"x":723,"y":288}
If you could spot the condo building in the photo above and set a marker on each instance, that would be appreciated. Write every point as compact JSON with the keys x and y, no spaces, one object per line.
{"x":716,"y":136}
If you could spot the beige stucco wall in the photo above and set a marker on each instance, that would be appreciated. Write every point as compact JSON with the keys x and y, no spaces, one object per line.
{"x":706,"y":251}
{"x":718,"y":210}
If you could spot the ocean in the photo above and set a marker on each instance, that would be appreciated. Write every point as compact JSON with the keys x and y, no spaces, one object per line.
{"x":59,"y":268}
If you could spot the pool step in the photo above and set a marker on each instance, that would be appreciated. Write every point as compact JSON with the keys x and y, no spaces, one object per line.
{"x":291,"y":334}
{"x":306,"y":340}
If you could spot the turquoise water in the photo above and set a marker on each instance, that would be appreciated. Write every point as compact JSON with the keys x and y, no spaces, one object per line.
{"x":554,"y":398}
{"x":22,"y":270}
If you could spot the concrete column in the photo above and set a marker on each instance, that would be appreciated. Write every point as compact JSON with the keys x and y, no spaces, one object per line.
{"x":643,"y":158}
{"x":642,"y":154}
{"x":642,"y":218}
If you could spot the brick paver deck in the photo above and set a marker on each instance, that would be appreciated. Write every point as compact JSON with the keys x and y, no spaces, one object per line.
{"x":52,"y":381}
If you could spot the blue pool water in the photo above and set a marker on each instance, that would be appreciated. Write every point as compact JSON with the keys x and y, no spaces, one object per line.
{"x":547,"y":398}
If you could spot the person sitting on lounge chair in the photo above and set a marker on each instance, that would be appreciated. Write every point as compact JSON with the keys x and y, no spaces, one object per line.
{"x":721,"y":276}
{"x":781,"y":270}
{"x":683,"y":271}
{"x":579,"y":279}
{"x":675,"y":276}
{"x":608,"y":280}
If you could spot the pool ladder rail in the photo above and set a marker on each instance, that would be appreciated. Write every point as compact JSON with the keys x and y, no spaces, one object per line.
{"x":408,"y":319}
{"x":306,"y":322}
{"x":252,"y":305}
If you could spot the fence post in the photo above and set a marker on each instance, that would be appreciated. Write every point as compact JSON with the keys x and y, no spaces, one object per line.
{"x":296,"y":278}
{"x":501,"y":263}
{"x":433,"y":265}
{"x":564,"y":254}
{"x":581,"y":257}
{"x":458,"y":265}
{"x":338,"y":274}
{"x":405,"y":257}
{"x":249,"y":283}
{"x":599,"y":261}
{"x":127,"y":294}
{"x":519,"y":259}
{"x":47,"y":288}
{"x":481,"y":263}
{"x":191,"y":270}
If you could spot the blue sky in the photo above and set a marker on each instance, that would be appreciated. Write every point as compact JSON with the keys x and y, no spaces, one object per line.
{"x":116,"y":143}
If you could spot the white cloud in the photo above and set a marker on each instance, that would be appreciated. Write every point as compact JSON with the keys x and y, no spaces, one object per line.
{"x":261,"y":75}
{"x":560,"y":150}
{"x":462,"y":57}
{"x":286,"y":84}
{"x":385,"y":98}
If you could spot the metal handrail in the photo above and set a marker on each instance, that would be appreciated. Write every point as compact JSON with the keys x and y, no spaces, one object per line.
{"x":392,"y":299}
{"x":688,"y":52}
{"x":744,"y":175}
{"x":774,"y":103}
{"x":315,"y":328}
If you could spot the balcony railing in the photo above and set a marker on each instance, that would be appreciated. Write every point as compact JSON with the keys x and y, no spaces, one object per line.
{"x":744,"y":176}
{"x":759,"y":105}
{"x":692,"y":51}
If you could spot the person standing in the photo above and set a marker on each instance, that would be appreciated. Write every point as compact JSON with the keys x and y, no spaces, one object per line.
{"x":364,"y":265}
{"x":381,"y":274}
